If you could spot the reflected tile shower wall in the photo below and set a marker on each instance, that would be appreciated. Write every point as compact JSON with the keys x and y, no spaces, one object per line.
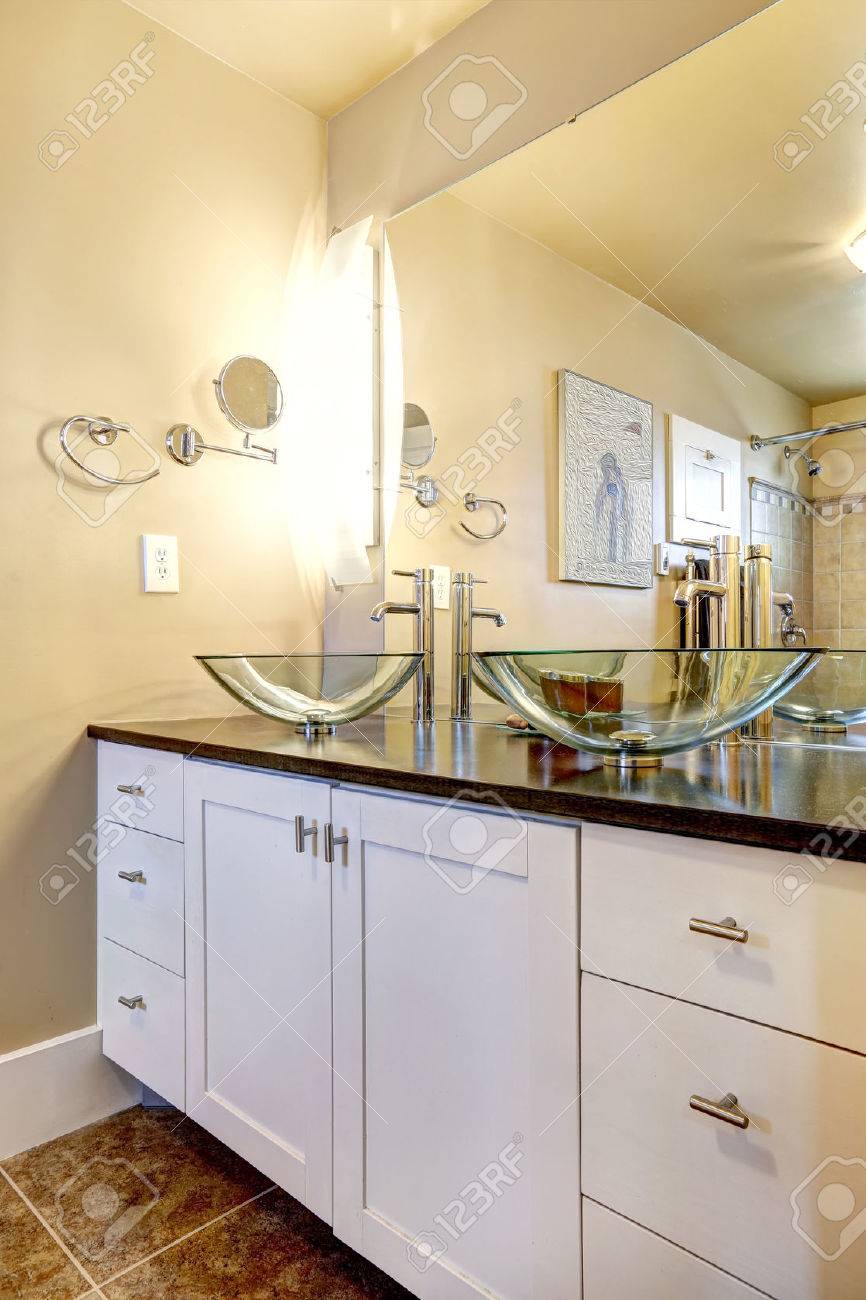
{"x":839,"y":558}
{"x":783,"y":520}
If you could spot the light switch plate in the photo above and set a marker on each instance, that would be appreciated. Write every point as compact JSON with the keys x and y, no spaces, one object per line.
{"x":441,"y":586}
{"x":160,"y":563}
{"x":662,"y":559}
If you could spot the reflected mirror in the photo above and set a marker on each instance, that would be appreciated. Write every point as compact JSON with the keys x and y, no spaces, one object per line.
{"x":419,"y":440}
{"x":249,"y":394}
{"x":623,"y":325}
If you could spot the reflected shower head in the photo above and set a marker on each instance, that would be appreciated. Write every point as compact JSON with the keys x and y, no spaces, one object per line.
{"x":813,"y":466}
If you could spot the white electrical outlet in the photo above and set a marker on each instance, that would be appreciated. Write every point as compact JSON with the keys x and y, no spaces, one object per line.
{"x":441,"y":586}
{"x":662,"y":559}
{"x":160,"y":563}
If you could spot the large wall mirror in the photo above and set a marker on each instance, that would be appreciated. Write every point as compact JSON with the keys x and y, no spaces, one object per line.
{"x":688,"y":250}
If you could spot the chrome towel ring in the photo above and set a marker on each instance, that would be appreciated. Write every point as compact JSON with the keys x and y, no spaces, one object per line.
{"x":103,"y":432}
{"x":472,"y":502}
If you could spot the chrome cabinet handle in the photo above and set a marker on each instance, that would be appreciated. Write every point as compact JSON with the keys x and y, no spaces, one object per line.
{"x":137,"y":790}
{"x":134,"y":877}
{"x":726,"y":1110}
{"x":132,"y":1003}
{"x":301,"y":833}
{"x":331,"y":840}
{"x":725,"y":929}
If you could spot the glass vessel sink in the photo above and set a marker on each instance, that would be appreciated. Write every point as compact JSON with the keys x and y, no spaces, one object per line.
{"x":631,"y":707}
{"x":833,"y":697}
{"x":315,"y":692}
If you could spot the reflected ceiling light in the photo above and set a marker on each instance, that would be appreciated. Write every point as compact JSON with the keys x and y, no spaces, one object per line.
{"x":856,"y":251}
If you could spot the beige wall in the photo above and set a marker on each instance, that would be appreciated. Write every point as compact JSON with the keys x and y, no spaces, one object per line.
{"x":157,"y":251}
{"x":489,"y":316}
{"x":565,"y":54}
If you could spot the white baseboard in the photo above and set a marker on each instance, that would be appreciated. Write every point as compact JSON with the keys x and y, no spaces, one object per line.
{"x":59,"y":1085}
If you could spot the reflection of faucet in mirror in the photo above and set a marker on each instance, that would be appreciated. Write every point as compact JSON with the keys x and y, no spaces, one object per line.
{"x":249,"y":395}
{"x":463,"y":613}
{"x":722,"y":588}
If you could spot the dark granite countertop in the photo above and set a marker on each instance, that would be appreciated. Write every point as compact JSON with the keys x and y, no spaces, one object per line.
{"x":776,"y":796}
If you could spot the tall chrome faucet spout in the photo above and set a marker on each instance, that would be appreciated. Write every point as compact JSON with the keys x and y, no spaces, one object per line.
{"x":378,"y":612}
{"x":421,"y":608}
{"x":686,"y":591}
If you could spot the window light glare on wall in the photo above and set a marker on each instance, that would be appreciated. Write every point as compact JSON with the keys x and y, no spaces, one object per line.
{"x":856,"y":251}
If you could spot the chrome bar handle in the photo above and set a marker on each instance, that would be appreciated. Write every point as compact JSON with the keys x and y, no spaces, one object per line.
{"x":137,"y":790}
{"x":134,"y":877}
{"x":331,"y":840}
{"x":132,"y":1003}
{"x":724,"y":929}
{"x":301,"y":833}
{"x":727,"y":1110}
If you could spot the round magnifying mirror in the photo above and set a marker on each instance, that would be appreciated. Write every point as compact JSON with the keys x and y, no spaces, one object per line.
{"x":249,"y":394}
{"x":419,"y":440}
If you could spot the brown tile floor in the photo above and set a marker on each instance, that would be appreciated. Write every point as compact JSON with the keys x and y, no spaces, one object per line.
{"x":147,"y":1205}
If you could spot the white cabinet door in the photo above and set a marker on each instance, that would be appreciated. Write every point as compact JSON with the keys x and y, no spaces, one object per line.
{"x":455,"y":1048}
{"x":259,"y":973}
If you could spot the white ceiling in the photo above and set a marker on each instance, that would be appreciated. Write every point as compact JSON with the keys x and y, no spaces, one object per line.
{"x":672,"y":186}
{"x":323,"y":54}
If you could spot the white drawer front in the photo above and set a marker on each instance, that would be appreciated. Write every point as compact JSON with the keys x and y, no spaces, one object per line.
{"x":803,"y":967}
{"x":759,"y":1203}
{"x":147,"y":1041}
{"x":144,"y":913}
{"x":158,"y":809}
{"x":623,"y":1262}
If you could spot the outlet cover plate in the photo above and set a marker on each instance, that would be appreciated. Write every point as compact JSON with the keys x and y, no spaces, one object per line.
{"x":441,"y":586}
{"x":160,"y":563}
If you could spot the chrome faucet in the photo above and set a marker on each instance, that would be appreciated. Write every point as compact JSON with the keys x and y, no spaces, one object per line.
{"x":790,"y":631}
{"x":722,"y":586}
{"x":464,"y":610}
{"x":422,"y":609}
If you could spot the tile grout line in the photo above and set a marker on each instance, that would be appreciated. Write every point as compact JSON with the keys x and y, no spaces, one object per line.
{"x":130,"y":1268}
{"x":94,"y":1286}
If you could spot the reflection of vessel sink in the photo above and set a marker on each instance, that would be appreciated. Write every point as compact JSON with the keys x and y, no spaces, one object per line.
{"x":667,"y":700}
{"x":316,"y":692}
{"x":833,"y":697}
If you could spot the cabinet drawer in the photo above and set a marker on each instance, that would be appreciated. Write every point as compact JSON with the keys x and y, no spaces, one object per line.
{"x":622,"y":1261}
{"x":147,"y":1041}
{"x":158,"y":809}
{"x":145,"y":914}
{"x":803,"y":967}
{"x":762,"y":1203}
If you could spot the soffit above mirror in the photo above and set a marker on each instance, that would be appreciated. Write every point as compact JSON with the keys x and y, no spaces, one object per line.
{"x":672,"y":186}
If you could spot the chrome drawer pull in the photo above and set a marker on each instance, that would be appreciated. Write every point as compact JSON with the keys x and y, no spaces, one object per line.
{"x":132,"y":1003}
{"x":331,"y":840}
{"x":726,"y":1110}
{"x":301,"y":833}
{"x":137,"y":790}
{"x":134,"y":877}
{"x":726,"y":929}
